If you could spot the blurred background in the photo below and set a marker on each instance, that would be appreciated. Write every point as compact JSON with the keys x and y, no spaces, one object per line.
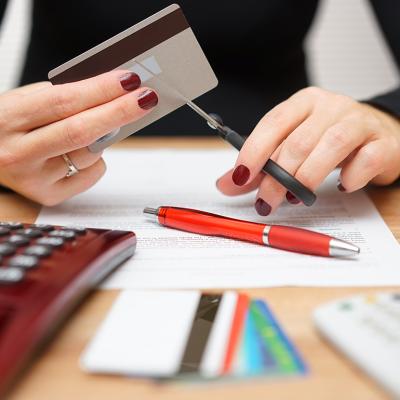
{"x":346,"y":50}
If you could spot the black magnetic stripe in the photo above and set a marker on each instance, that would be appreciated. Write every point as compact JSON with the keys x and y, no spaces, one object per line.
{"x":126,"y":49}
{"x":200,"y":332}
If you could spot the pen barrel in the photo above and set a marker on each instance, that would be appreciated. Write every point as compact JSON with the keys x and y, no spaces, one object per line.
{"x":299,"y":240}
{"x":210,"y":224}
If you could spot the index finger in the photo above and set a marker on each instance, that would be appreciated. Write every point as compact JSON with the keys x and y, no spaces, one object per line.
{"x":55,"y":103}
{"x":266,"y":137}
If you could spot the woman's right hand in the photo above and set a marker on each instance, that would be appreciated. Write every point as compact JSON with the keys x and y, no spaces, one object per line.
{"x":41,"y":122}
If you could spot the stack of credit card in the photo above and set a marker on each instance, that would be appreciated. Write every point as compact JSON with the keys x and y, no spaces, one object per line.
{"x":171,"y":334}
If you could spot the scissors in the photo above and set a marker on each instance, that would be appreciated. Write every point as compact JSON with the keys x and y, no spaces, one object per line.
{"x":302,"y":193}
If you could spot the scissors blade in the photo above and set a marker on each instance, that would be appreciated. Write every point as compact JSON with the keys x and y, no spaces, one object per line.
{"x":211,"y":121}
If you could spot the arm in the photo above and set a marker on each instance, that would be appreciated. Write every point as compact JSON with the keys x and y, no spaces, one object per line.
{"x":3,"y":5}
{"x":388,"y":15}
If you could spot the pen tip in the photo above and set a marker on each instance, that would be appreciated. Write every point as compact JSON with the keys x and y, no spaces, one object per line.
{"x":150,"y":212}
{"x":340,"y":248}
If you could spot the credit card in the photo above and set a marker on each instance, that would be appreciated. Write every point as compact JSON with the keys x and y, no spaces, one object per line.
{"x":235,"y":338}
{"x":191,"y":335}
{"x":161,"y":334}
{"x":277,"y":345}
{"x":165,"y":47}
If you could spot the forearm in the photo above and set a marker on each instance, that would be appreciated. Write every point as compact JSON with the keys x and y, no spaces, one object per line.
{"x":3,"y":6}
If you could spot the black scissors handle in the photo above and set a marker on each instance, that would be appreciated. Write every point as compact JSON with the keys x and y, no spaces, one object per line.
{"x":287,"y":180}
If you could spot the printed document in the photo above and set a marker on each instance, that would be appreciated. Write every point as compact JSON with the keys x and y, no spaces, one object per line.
{"x":168,"y":258}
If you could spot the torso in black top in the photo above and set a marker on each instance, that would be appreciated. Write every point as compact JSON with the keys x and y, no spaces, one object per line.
{"x":255,"y":48}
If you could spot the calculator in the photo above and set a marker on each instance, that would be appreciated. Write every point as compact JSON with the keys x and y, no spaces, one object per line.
{"x":45,"y":272}
{"x":366,"y":328}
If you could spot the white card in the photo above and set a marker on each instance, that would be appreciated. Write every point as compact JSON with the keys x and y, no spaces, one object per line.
{"x":144,"y":334}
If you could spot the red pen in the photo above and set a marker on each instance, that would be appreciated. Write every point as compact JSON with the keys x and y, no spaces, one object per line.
{"x":279,"y":236}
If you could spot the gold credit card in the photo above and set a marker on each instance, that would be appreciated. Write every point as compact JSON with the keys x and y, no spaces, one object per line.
{"x":163,"y":51}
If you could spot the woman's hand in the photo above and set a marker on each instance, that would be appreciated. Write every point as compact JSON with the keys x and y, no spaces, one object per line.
{"x":311,"y":134}
{"x":40,"y":122}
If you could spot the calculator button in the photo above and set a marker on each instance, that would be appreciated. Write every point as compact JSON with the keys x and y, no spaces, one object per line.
{"x":11,"y":275}
{"x":51,"y":241}
{"x":18,"y":240}
{"x":79,"y":230}
{"x":12,"y":224}
{"x":22,"y":261}
{"x":43,"y":227}
{"x":4,"y":231}
{"x":30,"y":232}
{"x":65,"y":234}
{"x":38,"y":251}
{"x":6,"y":249}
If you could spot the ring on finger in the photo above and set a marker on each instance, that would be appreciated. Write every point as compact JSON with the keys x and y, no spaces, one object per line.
{"x":72,"y":169}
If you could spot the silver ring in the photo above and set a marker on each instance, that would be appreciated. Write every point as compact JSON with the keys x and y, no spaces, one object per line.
{"x":72,"y":170}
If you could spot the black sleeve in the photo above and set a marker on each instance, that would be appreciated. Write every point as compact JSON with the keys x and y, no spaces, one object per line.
{"x":388,"y":15}
{"x":3,"y":4}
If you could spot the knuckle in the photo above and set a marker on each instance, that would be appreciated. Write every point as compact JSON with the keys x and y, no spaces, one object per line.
{"x":298,"y":146}
{"x":315,"y":92}
{"x":374,"y":123}
{"x":76,"y":133}
{"x":344,"y":100}
{"x":123,"y":112}
{"x":338,"y":136}
{"x":373,"y":158}
{"x":9,"y":158}
{"x":276,"y":116}
{"x":4,"y":118}
{"x":62,"y":103}
{"x":103,"y":90}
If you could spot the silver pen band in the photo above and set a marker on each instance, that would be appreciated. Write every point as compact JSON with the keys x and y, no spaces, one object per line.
{"x":266,"y":234}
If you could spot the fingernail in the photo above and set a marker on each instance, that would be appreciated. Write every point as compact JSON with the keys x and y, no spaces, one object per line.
{"x":262,"y":207}
{"x":240,"y":175}
{"x":291,"y":198}
{"x":148,"y":99}
{"x":130,"y":81}
{"x":341,"y":187}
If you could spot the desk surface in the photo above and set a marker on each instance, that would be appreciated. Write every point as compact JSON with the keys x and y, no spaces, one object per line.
{"x":56,"y":374}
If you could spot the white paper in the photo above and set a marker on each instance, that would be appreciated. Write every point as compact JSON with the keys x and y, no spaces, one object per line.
{"x":167,"y":258}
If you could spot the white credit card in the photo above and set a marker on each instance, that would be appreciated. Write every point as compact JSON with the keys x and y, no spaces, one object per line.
{"x":161,"y":334}
{"x":167,"y":48}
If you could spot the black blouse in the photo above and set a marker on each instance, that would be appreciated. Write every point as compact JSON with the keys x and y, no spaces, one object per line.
{"x":255,"y":48}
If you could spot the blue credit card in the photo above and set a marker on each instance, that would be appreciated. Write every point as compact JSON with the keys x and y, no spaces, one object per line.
{"x":275,"y":342}
{"x":265,"y":349}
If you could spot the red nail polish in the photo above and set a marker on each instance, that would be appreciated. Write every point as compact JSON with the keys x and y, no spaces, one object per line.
{"x":148,"y":99}
{"x":240,"y":175}
{"x":341,"y":187}
{"x":262,"y":207}
{"x":130,"y":81}
{"x":291,"y":198}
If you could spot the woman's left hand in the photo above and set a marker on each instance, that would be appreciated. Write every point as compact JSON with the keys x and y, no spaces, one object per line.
{"x":311,"y":134}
